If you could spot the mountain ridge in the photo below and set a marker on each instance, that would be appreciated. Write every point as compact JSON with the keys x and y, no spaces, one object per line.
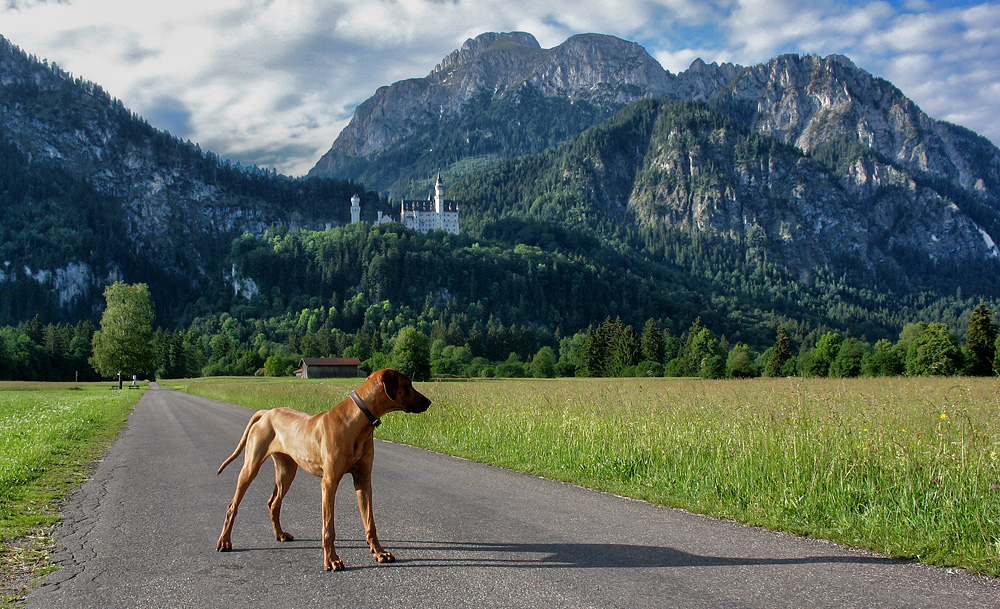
{"x":923,"y":188}
{"x":669,"y":207}
{"x":121,"y":199}
{"x":596,"y":70}
{"x":803,"y":100}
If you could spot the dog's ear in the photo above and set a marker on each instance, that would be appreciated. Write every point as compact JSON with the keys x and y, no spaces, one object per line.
{"x":390,"y":383}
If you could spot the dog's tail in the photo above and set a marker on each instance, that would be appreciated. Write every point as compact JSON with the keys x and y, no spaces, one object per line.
{"x":243,"y":441}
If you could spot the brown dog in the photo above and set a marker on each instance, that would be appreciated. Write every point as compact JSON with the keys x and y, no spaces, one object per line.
{"x":327,"y":445}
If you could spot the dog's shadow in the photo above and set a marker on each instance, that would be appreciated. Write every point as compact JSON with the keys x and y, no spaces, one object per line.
{"x":569,"y":555}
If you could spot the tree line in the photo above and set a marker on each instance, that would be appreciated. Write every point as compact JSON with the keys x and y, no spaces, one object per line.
{"x":226,"y":345}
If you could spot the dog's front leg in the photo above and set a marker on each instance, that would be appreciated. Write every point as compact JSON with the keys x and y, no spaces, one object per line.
{"x":331,"y":562}
{"x":363,"y":487}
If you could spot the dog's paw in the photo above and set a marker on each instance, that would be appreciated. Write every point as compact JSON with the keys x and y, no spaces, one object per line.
{"x":285,"y":537}
{"x":224,"y":545}
{"x":384,"y":557}
{"x":335,"y":565}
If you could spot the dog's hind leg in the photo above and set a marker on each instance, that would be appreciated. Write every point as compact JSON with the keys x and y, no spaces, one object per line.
{"x":284,"y":472}
{"x":256,"y":453}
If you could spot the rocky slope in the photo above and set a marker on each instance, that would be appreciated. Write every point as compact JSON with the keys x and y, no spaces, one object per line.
{"x":810,"y":101}
{"x":584,"y":80}
{"x":92,"y":193}
{"x":861,"y":172}
{"x":682,"y":178}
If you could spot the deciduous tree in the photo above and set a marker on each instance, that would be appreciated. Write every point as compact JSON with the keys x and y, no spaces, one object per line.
{"x":123,"y":345}
{"x":411,"y":354}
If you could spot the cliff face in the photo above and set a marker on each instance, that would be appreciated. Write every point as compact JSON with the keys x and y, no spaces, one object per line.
{"x":810,"y":101}
{"x":673,"y":173}
{"x":704,"y":175}
{"x":599,"y":74}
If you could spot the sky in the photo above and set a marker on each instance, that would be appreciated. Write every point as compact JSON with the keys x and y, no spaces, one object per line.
{"x":273,"y":82}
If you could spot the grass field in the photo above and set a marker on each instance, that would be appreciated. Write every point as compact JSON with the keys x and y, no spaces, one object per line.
{"x":908,"y":467}
{"x":48,"y":434}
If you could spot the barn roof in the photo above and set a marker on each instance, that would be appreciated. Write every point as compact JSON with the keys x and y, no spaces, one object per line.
{"x":331,"y":361}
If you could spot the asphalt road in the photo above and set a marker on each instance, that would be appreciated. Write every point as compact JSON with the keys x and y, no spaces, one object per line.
{"x":142,"y":532}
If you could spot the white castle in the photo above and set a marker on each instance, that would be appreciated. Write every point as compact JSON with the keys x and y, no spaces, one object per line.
{"x":422,"y":216}
{"x":433,"y":214}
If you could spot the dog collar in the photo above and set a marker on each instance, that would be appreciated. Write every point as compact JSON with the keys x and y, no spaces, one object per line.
{"x":371,"y":418}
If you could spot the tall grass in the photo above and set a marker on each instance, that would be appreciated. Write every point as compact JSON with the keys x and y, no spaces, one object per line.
{"x":906,"y":467}
{"x":48,"y":432}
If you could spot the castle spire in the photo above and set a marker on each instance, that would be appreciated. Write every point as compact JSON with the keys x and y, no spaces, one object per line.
{"x":439,"y":195}
{"x":355,"y":209}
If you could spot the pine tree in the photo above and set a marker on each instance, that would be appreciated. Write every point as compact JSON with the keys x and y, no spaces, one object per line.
{"x":981,"y":338}
{"x":586,"y":354}
{"x":779,"y":354}
{"x":652,"y":341}
{"x":626,"y":353}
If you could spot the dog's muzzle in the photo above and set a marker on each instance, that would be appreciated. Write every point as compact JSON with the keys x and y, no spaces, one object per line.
{"x":422,"y":406}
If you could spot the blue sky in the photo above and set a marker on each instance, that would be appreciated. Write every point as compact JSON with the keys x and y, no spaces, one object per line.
{"x":272,"y":82}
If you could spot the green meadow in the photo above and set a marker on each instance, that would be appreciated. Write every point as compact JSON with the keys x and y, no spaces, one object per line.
{"x":907,"y":467}
{"x":49,"y":432}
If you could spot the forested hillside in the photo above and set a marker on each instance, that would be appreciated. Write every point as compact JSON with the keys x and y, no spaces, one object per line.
{"x":680,"y":181}
{"x":92,"y":193}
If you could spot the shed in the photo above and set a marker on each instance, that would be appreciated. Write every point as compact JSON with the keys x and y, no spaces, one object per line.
{"x":330,"y":367}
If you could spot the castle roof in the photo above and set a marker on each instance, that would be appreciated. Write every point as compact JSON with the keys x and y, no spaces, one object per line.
{"x":428,"y":205}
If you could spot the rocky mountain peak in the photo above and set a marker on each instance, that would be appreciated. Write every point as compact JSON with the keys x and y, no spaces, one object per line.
{"x":598,"y":66}
{"x":810,"y":101}
{"x":703,"y":80}
{"x":474,"y":48}
{"x":603,"y":71}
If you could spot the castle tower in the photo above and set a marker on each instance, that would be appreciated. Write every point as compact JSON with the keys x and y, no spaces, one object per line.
{"x":438,"y":195}
{"x":355,"y":209}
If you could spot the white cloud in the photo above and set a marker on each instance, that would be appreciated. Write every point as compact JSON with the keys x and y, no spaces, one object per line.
{"x":273,"y":81}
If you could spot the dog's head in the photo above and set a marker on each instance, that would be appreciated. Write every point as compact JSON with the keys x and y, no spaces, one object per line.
{"x":399,"y":389}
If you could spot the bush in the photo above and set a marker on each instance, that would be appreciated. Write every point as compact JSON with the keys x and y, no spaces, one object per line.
{"x":712,"y":367}
{"x":850,"y":357}
{"x":674,"y":367}
{"x":649,"y":368}
{"x":543,"y":365}
{"x":741,"y":363}
{"x":565,"y":369}
{"x":277,"y":365}
{"x":376,"y":362}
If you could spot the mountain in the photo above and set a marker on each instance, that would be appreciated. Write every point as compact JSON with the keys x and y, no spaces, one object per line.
{"x":813,"y":160}
{"x":92,"y":193}
{"x":498,"y":97}
{"x":802,"y":192}
{"x":665,"y":176}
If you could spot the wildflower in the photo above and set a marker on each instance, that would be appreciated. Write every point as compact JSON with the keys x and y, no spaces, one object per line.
{"x":994,"y":487}
{"x":944,"y":415}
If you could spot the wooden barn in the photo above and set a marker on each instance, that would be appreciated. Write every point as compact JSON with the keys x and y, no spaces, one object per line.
{"x":329,"y":367}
